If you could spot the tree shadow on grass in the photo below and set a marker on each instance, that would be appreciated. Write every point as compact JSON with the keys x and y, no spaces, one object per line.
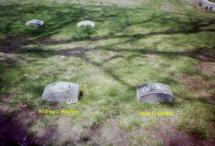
{"x":201,"y":54}
{"x":59,"y":17}
{"x":14,"y":129}
{"x":56,"y":17}
{"x":13,"y":132}
{"x":176,"y":25}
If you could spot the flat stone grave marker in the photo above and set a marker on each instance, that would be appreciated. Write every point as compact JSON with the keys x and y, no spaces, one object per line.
{"x":35,"y":23}
{"x":155,"y":93}
{"x":86,"y":23}
{"x":62,"y":92}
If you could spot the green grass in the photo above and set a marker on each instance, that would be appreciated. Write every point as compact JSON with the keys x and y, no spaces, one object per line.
{"x":128,"y":47}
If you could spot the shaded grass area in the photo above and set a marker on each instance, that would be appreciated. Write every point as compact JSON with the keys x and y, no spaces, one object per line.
{"x":127,"y":48}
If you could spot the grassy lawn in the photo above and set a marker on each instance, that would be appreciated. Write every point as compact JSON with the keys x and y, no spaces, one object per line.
{"x":134,"y":42}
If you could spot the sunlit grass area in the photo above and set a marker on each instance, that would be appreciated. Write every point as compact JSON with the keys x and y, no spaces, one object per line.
{"x":167,"y":41}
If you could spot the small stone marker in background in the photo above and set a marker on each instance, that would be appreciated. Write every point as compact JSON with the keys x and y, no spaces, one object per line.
{"x":62,"y":92}
{"x":35,"y":23}
{"x":86,"y":23}
{"x":155,"y":93}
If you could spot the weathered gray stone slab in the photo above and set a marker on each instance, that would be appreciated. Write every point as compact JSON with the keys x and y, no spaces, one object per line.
{"x":86,"y":23}
{"x":35,"y":23}
{"x":207,"y":5}
{"x":62,"y":92}
{"x":155,"y":93}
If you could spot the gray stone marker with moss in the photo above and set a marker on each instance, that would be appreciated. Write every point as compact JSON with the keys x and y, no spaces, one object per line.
{"x":155,"y":93}
{"x":86,"y":23}
{"x":208,"y":5}
{"x":62,"y":92}
{"x":35,"y":23}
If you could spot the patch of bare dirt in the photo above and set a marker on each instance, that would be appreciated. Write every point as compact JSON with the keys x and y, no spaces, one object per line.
{"x":6,"y":97}
{"x":10,"y":59}
{"x":169,"y":135}
{"x":65,"y":130}
{"x":9,"y":45}
{"x":198,"y":86}
{"x":13,"y":132}
{"x":77,"y":52}
{"x":15,"y":126}
{"x":4,"y":108}
{"x":82,"y":133}
{"x":72,"y":134}
{"x":207,"y":68}
{"x":192,"y":83}
{"x":110,"y":133}
{"x":47,"y":136}
{"x":27,"y":117}
{"x":203,"y":54}
{"x":49,"y":41}
{"x":173,"y":137}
